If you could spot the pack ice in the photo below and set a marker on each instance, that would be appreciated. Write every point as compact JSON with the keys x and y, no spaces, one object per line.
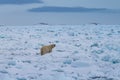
{"x":82,"y":52}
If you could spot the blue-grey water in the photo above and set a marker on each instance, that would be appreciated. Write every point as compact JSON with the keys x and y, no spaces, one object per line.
{"x":59,"y":18}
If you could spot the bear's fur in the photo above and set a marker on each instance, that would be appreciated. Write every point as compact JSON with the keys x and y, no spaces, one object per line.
{"x":47,"y":49}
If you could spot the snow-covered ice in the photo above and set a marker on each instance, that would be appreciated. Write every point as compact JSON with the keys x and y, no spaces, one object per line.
{"x":82,"y":52}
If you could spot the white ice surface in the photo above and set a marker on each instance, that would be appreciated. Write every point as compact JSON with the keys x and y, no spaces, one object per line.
{"x":82,"y":52}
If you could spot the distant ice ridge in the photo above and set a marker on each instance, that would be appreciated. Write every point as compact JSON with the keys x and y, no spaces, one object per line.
{"x":82,"y":52}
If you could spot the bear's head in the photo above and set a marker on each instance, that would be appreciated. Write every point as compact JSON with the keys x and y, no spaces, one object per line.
{"x":53,"y":45}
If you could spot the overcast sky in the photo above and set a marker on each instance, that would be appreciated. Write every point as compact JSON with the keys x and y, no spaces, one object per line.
{"x":112,"y":4}
{"x":28,"y":12}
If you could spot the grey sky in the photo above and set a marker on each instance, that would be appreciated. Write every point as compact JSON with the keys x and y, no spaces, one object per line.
{"x":16,"y":12}
{"x":3,"y":2}
{"x":112,"y":4}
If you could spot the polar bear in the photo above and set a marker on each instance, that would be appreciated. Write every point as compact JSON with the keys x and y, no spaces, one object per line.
{"x":47,"y":49}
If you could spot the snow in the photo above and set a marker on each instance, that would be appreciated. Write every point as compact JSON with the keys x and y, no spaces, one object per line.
{"x":82,"y":52}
